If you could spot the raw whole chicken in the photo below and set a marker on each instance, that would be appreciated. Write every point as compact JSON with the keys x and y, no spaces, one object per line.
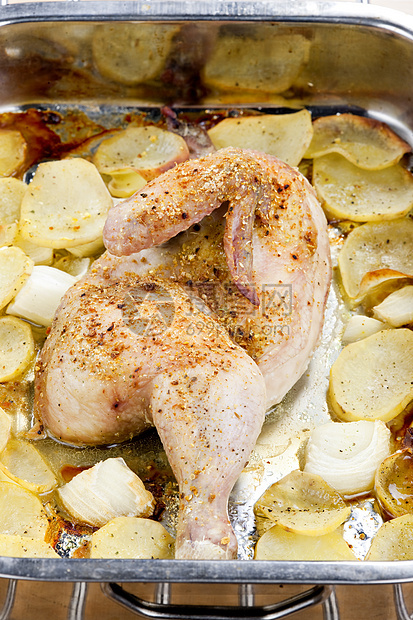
{"x":144,"y":340}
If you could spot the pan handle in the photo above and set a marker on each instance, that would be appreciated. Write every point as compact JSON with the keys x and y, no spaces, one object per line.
{"x":161,"y":609}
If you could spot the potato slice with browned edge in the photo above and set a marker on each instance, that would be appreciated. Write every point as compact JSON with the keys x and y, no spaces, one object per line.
{"x":286,"y":136}
{"x":21,"y":512}
{"x":365,"y":142}
{"x":146,"y":150}
{"x":269,"y":64}
{"x":25,"y":547}
{"x":15,"y":267}
{"x":124,"y":184}
{"x":278,"y":544}
{"x":12,"y":151}
{"x":5,"y":427}
{"x":349,"y":192}
{"x":22,"y":462}
{"x":394,"y":483}
{"x":374,"y":253}
{"x":347,"y":456}
{"x":303,"y":503}
{"x":65,"y":205}
{"x":132,"y":53}
{"x":132,"y":538}
{"x":393,"y":541}
{"x":11,"y":195}
{"x":372,"y":379}
{"x":16,"y":347}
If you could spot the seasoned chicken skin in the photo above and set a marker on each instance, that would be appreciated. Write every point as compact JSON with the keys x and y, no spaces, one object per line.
{"x":120,"y":358}
{"x":180,"y":334}
{"x":255,"y":234}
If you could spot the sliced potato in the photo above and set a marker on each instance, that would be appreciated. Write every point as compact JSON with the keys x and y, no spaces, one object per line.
{"x":365,"y":142}
{"x":303,"y":503}
{"x":21,"y":512}
{"x":12,"y":151}
{"x":16,"y":347}
{"x":359,"y":327}
{"x":11,"y":195}
{"x":132,"y":538}
{"x":349,"y":192}
{"x":270,"y":64}
{"x":383,"y":249}
{"x":125,"y":184}
{"x":107,"y":490}
{"x":147,"y":150}
{"x":347,"y":456}
{"x":393,"y":541}
{"x":76,"y":267}
{"x":24,"y":547}
{"x":372,"y":379}
{"x":286,"y":136}
{"x":397,"y":308}
{"x":132,"y":53}
{"x":5,"y":427}
{"x":278,"y":544}
{"x":394,"y":483}
{"x":40,"y":295}
{"x":65,"y":205}
{"x":15,"y":267}
{"x":23,"y":463}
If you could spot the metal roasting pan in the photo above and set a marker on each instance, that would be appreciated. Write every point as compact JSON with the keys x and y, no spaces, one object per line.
{"x":359,"y":58}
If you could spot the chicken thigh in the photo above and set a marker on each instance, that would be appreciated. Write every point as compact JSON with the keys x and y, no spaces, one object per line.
{"x":120,"y":358}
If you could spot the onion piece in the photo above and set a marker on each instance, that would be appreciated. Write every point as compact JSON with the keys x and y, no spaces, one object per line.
{"x":303,"y":503}
{"x":393,"y":541}
{"x":37,"y":253}
{"x":40,"y":295}
{"x":107,"y":490}
{"x":372,"y":379}
{"x":397,"y":308}
{"x":359,"y":327}
{"x":16,"y":347}
{"x":132,"y":538}
{"x":279,"y":544}
{"x":286,"y":136}
{"x":348,"y":455}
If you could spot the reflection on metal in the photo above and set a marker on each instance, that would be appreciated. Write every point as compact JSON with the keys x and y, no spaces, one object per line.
{"x":399,"y":603}
{"x":77,"y":601}
{"x":9,"y":602}
{"x":299,"y":602}
{"x":330,"y":607}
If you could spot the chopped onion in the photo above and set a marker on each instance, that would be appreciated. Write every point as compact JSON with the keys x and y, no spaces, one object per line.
{"x":107,"y":490}
{"x":397,"y":308}
{"x":359,"y":327}
{"x":40,"y":295}
{"x":347,"y":455}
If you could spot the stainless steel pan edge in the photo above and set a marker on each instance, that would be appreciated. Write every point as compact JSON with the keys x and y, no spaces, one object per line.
{"x":209,"y":571}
